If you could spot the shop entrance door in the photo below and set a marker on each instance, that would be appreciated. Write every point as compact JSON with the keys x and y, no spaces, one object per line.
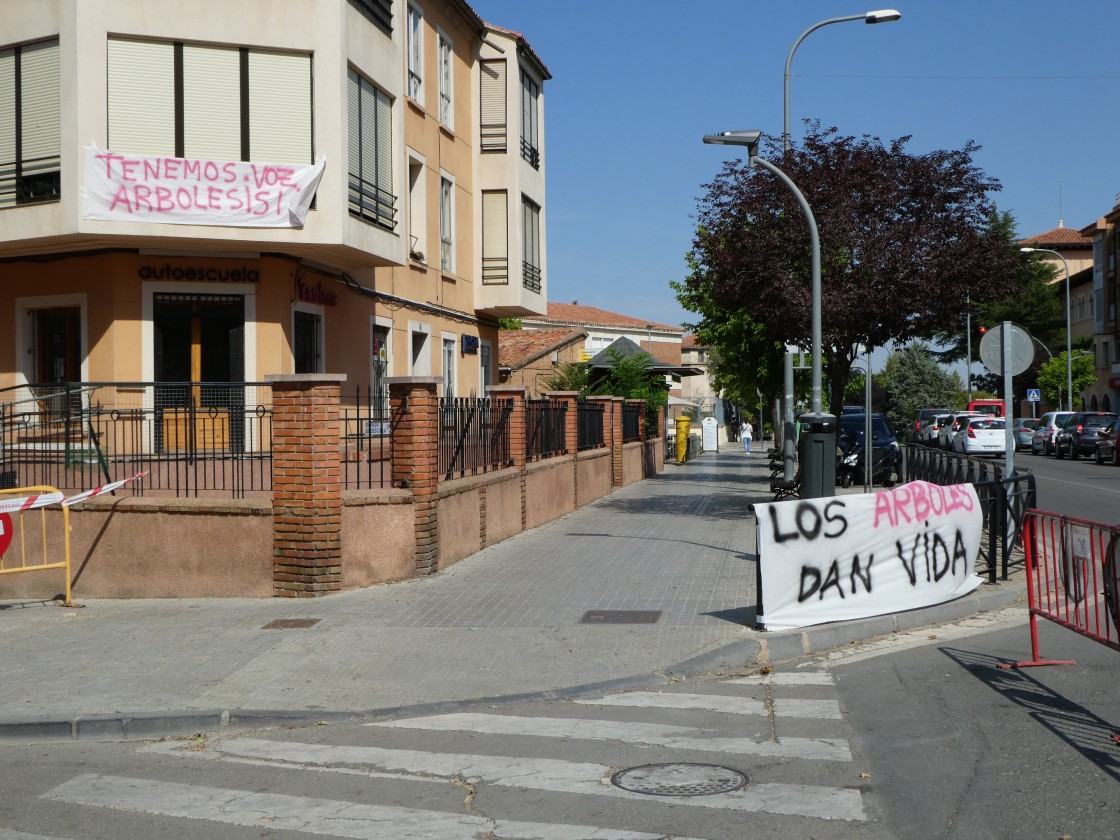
{"x":58,"y":357}
{"x":200,"y":352}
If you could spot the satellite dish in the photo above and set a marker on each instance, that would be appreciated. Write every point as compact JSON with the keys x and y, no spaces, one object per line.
{"x":1022,"y":350}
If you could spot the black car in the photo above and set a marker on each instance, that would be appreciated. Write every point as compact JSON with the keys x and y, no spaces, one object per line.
{"x":1106,"y":444}
{"x":1079,"y":434}
{"x":850,"y":450}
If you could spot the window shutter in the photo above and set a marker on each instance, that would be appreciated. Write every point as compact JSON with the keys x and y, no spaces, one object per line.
{"x":211,"y":102}
{"x":280,"y":107}
{"x":41,"y":132}
{"x":495,"y":237}
{"x":141,"y":97}
{"x":7,"y":128}
{"x":493,"y":105}
{"x":353,"y":126}
{"x":384,"y":143}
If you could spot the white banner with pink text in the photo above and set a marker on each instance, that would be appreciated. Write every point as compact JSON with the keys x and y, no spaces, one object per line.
{"x":856,"y":556}
{"x":181,"y":191}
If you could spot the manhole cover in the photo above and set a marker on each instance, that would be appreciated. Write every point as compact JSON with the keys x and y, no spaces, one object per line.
{"x":291,"y":624}
{"x":620,"y":617}
{"x":679,"y":779}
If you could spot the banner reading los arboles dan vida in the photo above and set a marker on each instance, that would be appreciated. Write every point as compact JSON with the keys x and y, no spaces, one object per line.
{"x":871,"y":554}
{"x":170,"y":190}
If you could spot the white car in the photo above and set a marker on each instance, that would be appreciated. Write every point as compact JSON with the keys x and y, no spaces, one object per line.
{"x":949,"y":430}
{"x":982,"y":436}
{"x":933,"y":428}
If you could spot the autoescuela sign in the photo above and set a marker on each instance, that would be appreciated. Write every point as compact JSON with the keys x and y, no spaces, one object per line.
{"x":170,"y":190}
{"x":856,"y":556}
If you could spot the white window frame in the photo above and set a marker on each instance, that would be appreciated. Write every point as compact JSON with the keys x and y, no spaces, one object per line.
{"x":446,"y":222}
{"x":414,"y":36}
{"x":450,"y":377}
{"x":445,"y":68}
{"x":418,"y":206}
{"x":421,"y":366}
{"x":320,"y":312}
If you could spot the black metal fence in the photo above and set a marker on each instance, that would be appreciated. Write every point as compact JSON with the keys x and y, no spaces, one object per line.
{"x":190,"y":438}
{"x":923,"y":463}
{"x":545,"y":422}
{"x":631,"y":422}
{"x":367,"y":440}
{"x":589,"y":425}
{"x":473,"y":436}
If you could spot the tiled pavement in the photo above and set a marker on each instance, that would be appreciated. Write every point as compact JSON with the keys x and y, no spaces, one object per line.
{"x":503,"y":622}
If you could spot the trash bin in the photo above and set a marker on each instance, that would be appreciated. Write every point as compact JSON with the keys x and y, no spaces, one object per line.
{"x":817,"y":455}
{"x":683,"y":427}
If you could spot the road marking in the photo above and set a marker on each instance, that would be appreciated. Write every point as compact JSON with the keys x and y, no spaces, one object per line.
{"x":8,"y":834}
{"x":649,"y":734}
{"x":826,"y":709}
{"x":311,"y":815}
{"x":542,"y":774}
{"x":786,"y":678}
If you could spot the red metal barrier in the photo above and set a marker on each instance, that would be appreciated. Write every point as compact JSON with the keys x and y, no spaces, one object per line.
{"x":1073,"y":579}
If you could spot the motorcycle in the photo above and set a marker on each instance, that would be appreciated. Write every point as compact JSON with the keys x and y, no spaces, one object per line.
{"x":850,"y":459}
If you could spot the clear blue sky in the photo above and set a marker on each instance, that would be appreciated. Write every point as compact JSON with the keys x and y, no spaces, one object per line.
{"x":637,"y":84}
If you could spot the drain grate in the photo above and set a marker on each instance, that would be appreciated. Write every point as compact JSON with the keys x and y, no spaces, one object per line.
{"x":621,"y":617}
{"x":291,"y":623}
{"x":681,"y":779}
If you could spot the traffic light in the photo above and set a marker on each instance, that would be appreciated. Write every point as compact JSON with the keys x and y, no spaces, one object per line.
{"x":983,"y":330}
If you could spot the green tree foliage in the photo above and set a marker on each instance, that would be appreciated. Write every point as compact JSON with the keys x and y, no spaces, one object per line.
{"x":631,"y":377}
{"x":903,"y":236}
{"x":915,"y":380}
{"x":1052,"y":377}
{"x":509,"y":323}
{"x":570,"y":376}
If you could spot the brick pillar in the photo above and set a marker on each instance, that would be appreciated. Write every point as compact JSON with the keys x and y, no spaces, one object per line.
{"x":306,"y":485}
{"x":612,"y":433}
{"x":414,"y":411}
{"x":517,"y":443}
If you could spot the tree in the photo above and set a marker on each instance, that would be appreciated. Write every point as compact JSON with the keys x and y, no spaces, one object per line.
{"x":570,"y":376}
{"x":903,"y":236}
{"x":631,"y":377}
{"x":1052,"y":376}
{"x":915,"y":380}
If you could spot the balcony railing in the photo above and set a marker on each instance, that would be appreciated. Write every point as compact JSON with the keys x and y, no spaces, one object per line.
{"x":531,"y":276}
{"x":492,"y":137}
{"x":495,"y":270}
{"x":32,"y":181}
{"x":368,"y":201}
{"x":530,"y":153}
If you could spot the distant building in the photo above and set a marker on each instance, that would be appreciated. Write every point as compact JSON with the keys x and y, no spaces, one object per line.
{"x":532,"y":357}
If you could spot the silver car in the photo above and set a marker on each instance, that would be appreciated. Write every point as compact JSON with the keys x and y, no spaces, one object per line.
{"x":1042,"y":442}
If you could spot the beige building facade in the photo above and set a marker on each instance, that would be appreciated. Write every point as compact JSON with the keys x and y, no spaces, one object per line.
{"x":216,"y":192}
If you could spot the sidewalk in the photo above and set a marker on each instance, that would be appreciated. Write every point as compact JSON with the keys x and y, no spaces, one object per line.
{"x":504,"y":622}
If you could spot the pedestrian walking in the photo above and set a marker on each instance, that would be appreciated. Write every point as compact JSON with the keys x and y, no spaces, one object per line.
{"x":746,"y":433}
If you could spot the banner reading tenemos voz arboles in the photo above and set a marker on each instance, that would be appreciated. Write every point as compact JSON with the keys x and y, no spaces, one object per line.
{"x":856,"y":556}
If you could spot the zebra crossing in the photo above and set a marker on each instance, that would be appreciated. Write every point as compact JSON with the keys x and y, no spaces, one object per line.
{"x":782,"y":733}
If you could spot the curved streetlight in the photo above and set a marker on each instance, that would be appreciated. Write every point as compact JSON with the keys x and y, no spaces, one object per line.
{"x":1069,"y":339}
{"x":879,"y":16}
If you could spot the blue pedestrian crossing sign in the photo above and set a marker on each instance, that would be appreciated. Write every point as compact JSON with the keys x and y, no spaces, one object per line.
{"x":1034,"y":395}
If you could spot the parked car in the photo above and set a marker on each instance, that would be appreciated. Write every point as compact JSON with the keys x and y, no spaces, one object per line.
{"x":1078,"y":436}
{"x":1106,"y":444}
{"x":1042,"y":443}
{"x":982,"y":436}
{"x":933,"y":428}
{"x":921,"y":419}
{"x":1023,"y":428}
{"x":949,"y":430}
{"x":851,"y":450}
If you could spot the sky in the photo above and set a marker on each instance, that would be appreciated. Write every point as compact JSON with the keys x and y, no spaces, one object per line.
{"x":636,"y":85}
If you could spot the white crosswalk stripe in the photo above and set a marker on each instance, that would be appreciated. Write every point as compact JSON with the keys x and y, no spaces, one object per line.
{"x":761,"y":705}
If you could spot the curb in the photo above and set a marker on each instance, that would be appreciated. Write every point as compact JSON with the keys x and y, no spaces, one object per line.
{"x":761,"y":649}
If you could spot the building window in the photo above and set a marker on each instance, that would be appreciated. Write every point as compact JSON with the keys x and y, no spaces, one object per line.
{"x":446,"y":114}
{"x":495,"y":238}
{"x":420,"y":349}
{"x":530,"y":120}
{"x":492,"y":114}
{"x":531,"y":245}
{"x":209,"y":102}
{"x":446,"y":225}
{"x":378,"y":11}
{"x":30,"y":136}
{"x":415,"y":54}
{"x":448,"y":367}
{"x":307,"y":341}
{"x":417,"y":211}
{"x":370,"y":151}
{"x":380,"y":350}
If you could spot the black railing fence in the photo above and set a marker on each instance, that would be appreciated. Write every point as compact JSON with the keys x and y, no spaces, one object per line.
{"x":589,"y":425}
{"x":191,"y":438}
{"x":473,"y":436}
{"x":632,"y":422}
{"x":367,"y":440}
{"x":545,"y":422}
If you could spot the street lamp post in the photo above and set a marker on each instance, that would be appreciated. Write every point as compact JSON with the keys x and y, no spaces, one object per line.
{"x":880,"y":16}
{"x":1069,"y":338}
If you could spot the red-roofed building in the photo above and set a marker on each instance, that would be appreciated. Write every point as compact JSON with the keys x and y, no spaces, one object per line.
{"x":532,"y":357}
{"x":661,"y":341}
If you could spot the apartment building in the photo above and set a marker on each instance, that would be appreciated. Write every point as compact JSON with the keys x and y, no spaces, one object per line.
{"x":215,"y":192}
{"x":1105,"y":236}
